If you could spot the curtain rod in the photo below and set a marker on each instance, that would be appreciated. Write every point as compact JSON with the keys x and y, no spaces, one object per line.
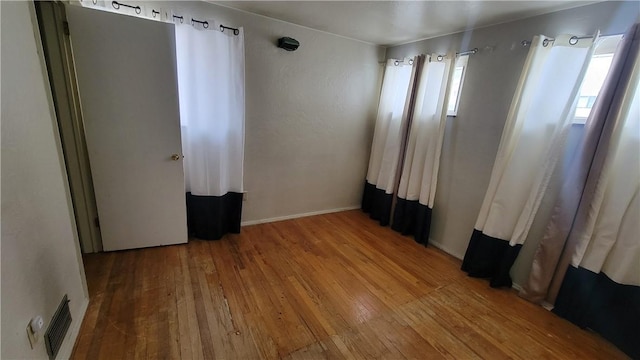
{"x":397,"y":62}
{"x":116,"y":5}
{"x":235,"y":31}
{"x":468,"y":52}
{"x":205,"y":24}
{"x":572,"y":40}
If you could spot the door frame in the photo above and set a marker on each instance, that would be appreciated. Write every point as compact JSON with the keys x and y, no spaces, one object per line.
{"x":58,"y":55}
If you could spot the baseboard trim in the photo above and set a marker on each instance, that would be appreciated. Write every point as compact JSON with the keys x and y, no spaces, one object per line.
{"x":72,"y":336}
{"x":516,"y":287}
{"x":445,"y":249}
{"x":295,"y":216}
{"x":547,"y":305}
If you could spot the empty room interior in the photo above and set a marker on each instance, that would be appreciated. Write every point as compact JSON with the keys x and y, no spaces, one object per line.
{"x":320,"y":179}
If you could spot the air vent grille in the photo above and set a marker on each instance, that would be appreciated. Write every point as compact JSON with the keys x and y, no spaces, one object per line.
{"x":58,"y":328}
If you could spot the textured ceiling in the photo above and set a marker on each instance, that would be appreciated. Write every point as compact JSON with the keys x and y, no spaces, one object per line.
{"x":396,"y":22}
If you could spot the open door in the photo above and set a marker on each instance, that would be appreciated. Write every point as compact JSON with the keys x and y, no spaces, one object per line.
{"x":128,"y":88}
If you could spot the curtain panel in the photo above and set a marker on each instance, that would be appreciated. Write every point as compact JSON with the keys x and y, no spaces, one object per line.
{"x":549,"y":264}
{"x":600,"y":265}
{"x":389,"y":138}
{"x":417,"y":187}
{"x":532,"y":142}
{"x":210,"y":67}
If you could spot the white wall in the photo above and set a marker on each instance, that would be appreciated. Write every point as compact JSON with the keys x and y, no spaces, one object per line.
{"x":39,"y":249}
{"x":309,"y":114}
{"x":472,"y":138}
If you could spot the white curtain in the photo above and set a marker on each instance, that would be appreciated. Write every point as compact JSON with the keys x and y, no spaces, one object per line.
{"x":390,"y":124}
{"x":610,"y":242}
{"x":417,"y":184}
{"x":534,"y":136}
{"x":210,"y":67}
{"x":533,"y":140}
{"x":599,"y":268}
{"x":426,"y":133}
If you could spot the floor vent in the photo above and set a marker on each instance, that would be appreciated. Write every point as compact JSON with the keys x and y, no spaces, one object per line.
{"x":58,"y":328}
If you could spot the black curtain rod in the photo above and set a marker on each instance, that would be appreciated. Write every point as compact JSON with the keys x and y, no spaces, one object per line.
{"x":205,"y":24}
{"x":235,"y":31}
{"x":116,"y":5}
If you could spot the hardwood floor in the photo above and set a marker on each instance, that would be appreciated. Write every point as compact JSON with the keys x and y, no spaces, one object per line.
{"x":328,"y":286}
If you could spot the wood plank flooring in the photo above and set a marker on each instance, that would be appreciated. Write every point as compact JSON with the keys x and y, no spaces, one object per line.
{"x":328,"y":286}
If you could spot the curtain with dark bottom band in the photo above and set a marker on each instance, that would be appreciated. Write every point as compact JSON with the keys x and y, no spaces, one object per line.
{"x":388,"y":139}
{"x":211,"y":217}
{"x":600,"y":264}
{"x":594,"y":301}
{"x":420,"y":164}
{"x":212,"y":124}
{"x":412,"y":218}
{"x":377,"y":203}
{"x":533,"y":141}
{"x":554,"y":251}
{"x":490,"y":258}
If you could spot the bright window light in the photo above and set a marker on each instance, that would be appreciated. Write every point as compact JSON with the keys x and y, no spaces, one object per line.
{"x":594,"y":77}
{"x":593,"y":81}
{"x":456,"y":85}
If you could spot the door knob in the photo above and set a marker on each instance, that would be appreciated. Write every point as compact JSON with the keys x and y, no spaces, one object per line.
{"x":175,"y":157}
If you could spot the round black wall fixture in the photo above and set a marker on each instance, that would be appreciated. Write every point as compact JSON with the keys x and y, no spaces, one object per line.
{"x":288,"y":43}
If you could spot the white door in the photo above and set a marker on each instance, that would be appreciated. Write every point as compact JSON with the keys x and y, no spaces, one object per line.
{"x":129,"y":96}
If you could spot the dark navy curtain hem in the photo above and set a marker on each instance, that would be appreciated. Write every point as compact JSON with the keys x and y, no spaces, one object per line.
{"x":377,"y":203}
{"x":211,"y":217}
{"x":491,"y":258}
{"x":594,"y":301}
{"x":412,"y":218}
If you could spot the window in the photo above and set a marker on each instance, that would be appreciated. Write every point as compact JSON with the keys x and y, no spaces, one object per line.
{"x":595,"y":76}
{"x":456,"y":85}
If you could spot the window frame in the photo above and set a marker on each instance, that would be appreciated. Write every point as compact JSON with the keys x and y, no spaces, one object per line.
{"x":607,"y":47}
{"x":461,"y":62}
